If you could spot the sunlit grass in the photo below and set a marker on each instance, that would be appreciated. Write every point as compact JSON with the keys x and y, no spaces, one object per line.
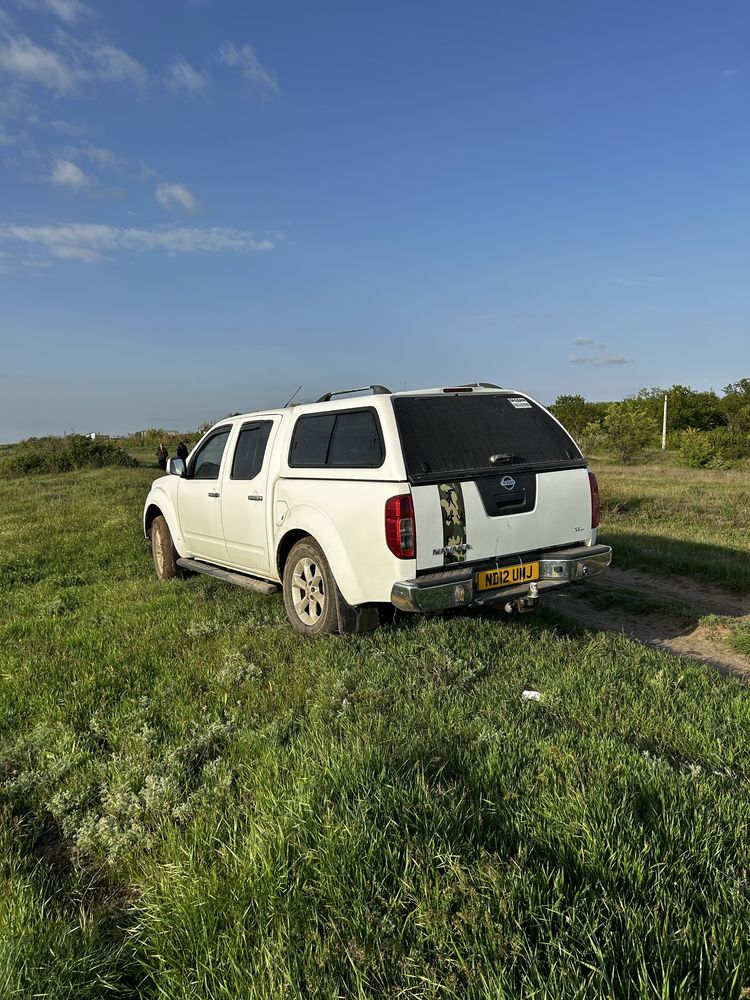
{"x":196,"y":803}
{"x":679,"y":520}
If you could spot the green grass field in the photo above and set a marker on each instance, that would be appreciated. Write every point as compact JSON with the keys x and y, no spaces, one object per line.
{"x":680,"y":520}
{"x":194,"y":803}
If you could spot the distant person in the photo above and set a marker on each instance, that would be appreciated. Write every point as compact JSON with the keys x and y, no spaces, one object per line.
{"x":162,"y":455}
{"x":182,"y":451}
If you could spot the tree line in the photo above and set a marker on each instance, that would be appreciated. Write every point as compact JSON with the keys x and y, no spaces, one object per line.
{"x":708,"y":430}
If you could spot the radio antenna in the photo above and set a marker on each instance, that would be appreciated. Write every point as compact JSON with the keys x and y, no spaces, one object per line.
{"x":292,"y":396}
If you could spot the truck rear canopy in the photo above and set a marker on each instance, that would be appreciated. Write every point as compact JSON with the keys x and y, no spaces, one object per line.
{"x":447,"y":436}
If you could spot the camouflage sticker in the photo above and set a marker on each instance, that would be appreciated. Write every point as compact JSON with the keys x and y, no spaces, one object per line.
{"x":454,"y":521}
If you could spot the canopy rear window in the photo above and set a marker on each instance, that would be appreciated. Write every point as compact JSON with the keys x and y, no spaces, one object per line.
{"x":482,"y":433}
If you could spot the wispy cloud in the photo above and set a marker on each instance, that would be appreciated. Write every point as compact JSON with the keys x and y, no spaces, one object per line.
{"x":732,"y":71}
{"x":600,"y":357}
{"x":186,"y":79}
{"x":64,"y":72}
{"x":19,"y":57}
{"x":598,"y":360}
{"x":100,"y":155}
{"x":107,"y":62}
{"x":246,"y":60}
{"x":97,"y":154}
{"x":68,"y":128}
{"x":90,"y":242}
{"x":68,"y":11}
{"x":176,"y":196}
{"x":69,"y":175}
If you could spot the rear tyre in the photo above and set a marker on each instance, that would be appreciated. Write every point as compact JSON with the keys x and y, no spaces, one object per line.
{"x":163,"y":551}
{"x":310,"y":592}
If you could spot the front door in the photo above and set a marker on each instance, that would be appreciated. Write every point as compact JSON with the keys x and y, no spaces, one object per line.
{"x":199,"y":499}
{"x":245,"y":503}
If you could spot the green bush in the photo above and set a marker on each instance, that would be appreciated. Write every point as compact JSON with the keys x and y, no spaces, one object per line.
{"x":151,"y":437}
{"x":628,"y":430}
{"x":720,"y":448}
{"x":64,"y":454}
{"x":733,"y":443}
{"x":593,"y":438}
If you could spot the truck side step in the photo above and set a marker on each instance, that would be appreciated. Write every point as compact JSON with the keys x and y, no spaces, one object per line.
{"x":229,"y":576}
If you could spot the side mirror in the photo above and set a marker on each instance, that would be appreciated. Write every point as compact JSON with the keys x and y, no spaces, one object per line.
{"x":176,"y":467}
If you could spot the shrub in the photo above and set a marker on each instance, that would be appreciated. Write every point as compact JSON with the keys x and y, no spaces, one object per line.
{"x":732,"y":442}
{"x":593,"y":438}
{"x":151,"y":437}
{"x":64,"y":454}
{"x":720,"y":448}
{"x":628,"y":430}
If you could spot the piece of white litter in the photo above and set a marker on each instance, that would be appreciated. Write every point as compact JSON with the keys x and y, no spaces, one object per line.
{"x":530,"y":696}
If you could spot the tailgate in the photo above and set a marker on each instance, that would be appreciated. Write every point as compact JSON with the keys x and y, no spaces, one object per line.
{"x":472,"y":520}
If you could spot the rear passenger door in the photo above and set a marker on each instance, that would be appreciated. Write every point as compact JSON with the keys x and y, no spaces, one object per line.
{"x":245,"y":501}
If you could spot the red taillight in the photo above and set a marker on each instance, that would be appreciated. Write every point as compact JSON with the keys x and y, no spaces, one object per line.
{"x":596,"y":507}
{"x":399,"y":526}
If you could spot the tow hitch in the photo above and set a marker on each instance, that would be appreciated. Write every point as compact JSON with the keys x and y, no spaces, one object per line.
{"x":524,"y":604}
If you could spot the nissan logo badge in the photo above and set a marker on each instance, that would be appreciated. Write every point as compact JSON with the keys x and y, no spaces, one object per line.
{"x":508,"y":482}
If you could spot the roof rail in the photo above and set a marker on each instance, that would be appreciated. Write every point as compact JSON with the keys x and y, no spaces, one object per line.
{"x":377,"y":390}
{"x":468,"y":386}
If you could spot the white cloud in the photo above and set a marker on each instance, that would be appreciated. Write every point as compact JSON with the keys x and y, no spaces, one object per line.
{"x":97,"y":154}
{"x":5,"y":138}
{"x":111,"y":63}
{"x":68,"y":128}
{"x":597,"y":360}
{"x":64,"y":74}
{"x":91,"y":242}
{"x":588,"y":340}
{"x":67,"y":174}
{"x":181,"y":76}
{"x":65,"y":252}
{"x":67,"y":10}
{"x":20,"y":57}
{"x":174,"y":196}
{"x":246,"y":60}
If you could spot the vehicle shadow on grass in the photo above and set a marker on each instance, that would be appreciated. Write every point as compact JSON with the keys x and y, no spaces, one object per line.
{"x":720,"y":565}
{"x":679,"y":614}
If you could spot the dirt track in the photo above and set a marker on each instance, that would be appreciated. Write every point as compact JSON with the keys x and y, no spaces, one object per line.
{"x":658,"y":610}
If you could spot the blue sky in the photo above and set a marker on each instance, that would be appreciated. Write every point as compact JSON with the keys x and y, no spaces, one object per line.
{"x":205,"y":204}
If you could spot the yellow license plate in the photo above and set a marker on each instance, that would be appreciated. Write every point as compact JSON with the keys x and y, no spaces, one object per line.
{"x":507,"y":576}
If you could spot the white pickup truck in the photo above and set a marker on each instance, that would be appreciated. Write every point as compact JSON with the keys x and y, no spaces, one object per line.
{"x":426,"y":500}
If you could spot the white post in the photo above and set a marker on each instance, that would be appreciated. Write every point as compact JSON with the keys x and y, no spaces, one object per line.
{"x":664,"y":426}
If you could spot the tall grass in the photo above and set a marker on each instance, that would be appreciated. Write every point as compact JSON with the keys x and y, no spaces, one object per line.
{"x":196,"y":804}
{"x":680,"y":521}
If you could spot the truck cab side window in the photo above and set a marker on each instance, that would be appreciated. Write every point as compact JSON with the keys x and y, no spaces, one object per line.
{"x":208,"y":460}
{"x":350,"y":439}
{"x":250,"y":450}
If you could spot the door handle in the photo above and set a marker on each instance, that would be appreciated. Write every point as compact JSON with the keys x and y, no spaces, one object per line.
{"x":214,"y":494}
{"x":255,"y":496}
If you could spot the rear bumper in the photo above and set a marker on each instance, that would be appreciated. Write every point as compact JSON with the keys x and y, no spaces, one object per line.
{"x":455,"y":588}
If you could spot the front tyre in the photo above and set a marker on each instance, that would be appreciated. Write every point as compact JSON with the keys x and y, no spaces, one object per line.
{"x":163,"y":550}
{"x":310,"y":594}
